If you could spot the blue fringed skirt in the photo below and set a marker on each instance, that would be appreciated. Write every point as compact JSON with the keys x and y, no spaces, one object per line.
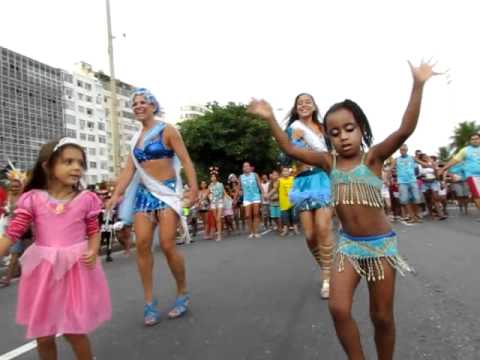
{"x":311,"y":190}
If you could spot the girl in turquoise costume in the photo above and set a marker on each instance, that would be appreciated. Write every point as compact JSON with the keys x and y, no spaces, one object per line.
{"x":367,"y":245}
{"x":311,"y":194}
{"x":154,"y":197}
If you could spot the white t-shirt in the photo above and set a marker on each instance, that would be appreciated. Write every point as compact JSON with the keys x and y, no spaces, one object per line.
{"x":428,"y":173}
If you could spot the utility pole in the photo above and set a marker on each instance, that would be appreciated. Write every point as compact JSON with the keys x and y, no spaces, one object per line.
{"x":113,"y":99}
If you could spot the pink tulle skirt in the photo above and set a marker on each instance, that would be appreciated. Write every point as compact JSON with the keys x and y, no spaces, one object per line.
{"x":59,"y":294}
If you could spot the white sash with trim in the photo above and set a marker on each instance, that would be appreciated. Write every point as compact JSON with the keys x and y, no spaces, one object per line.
{"x":313,"y":140}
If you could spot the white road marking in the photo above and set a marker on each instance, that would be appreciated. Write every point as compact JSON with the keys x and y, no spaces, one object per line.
{"x":21,"y":350}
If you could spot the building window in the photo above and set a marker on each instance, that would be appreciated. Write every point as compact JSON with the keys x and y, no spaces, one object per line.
{"x":102,"y":139}
{"x":68,"y":78}
{"x":127,"y":115}
{"x":68,"y":91}
{"x":70,"y":119}
{"x":80,"y":96}
{"x":88,"y":86}
{"x":88,"y":99}
{"x":71,"y":133}
{"x":92,"y":151}
{"x":81,"y":109}
{"x":83,"y":136}
{"x":103,"y":165}
{"x":92,"y":165}
{"x":69,"y":105}
{"x":90,"y":125}
{"x":79,"y":84}
{"x":101,"y":126}
{"x":91,"y":137}
{"x":89,"y":112}
{"x":102,"y":150}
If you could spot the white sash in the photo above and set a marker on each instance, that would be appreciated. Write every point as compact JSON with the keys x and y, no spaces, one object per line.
{"x":313,"y":140}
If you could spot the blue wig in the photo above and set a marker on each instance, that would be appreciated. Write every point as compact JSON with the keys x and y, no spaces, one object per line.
{"x":147,"y":94}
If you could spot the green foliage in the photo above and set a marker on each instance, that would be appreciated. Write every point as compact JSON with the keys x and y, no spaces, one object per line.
{"x":226,"y":136}
{"x":461,"y":134}
{"x":443,"y":153}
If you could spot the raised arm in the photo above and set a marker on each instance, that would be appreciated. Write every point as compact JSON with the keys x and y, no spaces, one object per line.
{"x":262,"y":109}
{"x":457,"y":158}
{"x":392,"y":143}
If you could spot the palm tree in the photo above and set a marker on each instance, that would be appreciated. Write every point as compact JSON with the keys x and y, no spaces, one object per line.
{"x":461,"y":134}
{"x":443,"y":153}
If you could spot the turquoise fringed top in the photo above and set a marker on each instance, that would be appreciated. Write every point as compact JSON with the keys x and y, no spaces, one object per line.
{"x":358,"y":186}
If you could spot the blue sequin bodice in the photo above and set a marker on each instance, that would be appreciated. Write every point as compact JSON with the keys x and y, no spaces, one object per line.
{"x":358,"y":186}
{"x":154,"y":149}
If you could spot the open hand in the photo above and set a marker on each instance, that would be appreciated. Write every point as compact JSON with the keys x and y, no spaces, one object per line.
{"x":260,"y":108}
{"x":424,"y":71}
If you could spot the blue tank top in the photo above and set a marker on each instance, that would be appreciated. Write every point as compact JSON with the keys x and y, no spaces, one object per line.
{"x":406,"y":170}
{"x":251,"y":192}
{"x":154,"y":149}
{"x":217,"y":191}
{"x":472,"y":161}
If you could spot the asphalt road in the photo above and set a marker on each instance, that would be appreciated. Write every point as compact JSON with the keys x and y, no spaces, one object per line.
{"x":259,"y":299}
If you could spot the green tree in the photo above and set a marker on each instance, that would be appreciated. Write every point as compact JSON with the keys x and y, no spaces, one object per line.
{"x":461,"y":134}
{"x":443,"y":153}
{"x":226,"y":136}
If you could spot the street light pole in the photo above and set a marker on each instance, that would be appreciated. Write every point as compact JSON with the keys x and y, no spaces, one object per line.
{"x":113,"y":99}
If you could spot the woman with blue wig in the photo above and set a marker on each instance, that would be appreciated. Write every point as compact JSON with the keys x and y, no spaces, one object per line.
{"x":153,"y":196}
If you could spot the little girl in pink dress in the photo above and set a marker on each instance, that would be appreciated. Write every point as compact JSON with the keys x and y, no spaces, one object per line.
{"x":63,"y":288}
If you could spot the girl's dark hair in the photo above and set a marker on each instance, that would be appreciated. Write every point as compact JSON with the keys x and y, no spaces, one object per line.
{"x":358,"y":115}
{"x":39,"y":176}
{"x":293,"y":114}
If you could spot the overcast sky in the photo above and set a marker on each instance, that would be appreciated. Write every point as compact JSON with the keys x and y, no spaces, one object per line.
{"x":193,"y":52}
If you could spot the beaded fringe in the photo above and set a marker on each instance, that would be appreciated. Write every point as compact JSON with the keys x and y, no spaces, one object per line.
{"x":357,"y":194}
{"x":372,"y":268}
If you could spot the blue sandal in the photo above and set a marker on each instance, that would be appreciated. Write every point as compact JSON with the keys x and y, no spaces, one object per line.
{"x":180,"y":307}
{"x":151,"y":316}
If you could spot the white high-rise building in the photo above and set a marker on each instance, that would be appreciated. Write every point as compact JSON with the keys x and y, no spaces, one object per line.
{"x":85,"y":119}
{"x":191,"y":112}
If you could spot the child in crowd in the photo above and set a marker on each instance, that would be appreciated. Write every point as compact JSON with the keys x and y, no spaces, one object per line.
{"x":285,"y":184}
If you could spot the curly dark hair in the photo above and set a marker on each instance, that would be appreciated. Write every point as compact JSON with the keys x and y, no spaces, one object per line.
{"x":358,"y":115}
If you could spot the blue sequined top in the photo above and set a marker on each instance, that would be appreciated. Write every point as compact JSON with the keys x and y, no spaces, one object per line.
{"x":358,"y":186}
{"x":154,"y":149}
